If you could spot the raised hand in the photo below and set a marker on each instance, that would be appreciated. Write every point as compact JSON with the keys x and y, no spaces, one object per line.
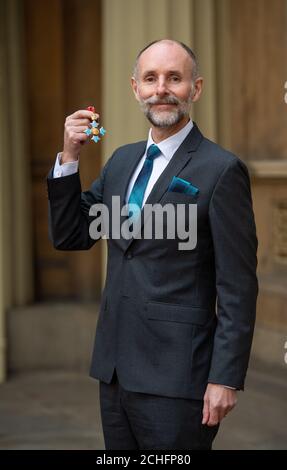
{"x":74,"y":134}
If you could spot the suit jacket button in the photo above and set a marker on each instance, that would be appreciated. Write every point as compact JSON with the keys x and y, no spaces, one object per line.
{"x":129,"y":255}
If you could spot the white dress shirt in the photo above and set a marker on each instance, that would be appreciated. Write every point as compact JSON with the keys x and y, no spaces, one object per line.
{"x":168,"y":147}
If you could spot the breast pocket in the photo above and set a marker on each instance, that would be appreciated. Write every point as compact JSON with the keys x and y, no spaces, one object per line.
{"x":174,"y":197}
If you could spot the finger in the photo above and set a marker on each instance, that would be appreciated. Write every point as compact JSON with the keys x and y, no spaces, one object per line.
{"x":213,"y":417}
{"x":82,"y":114}
{"x":77,"y":137}
{"x":79,"y":122}
{"x":78,"y":129}
{"x":205,"y":412}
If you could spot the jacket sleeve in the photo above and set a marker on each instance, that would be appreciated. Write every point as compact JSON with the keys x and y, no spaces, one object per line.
{"x":69,"y":207}
{"x":235,"y":247}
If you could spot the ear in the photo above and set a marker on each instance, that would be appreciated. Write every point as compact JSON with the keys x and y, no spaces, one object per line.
{"x":134,"y":85}
{"x":197,"y":89}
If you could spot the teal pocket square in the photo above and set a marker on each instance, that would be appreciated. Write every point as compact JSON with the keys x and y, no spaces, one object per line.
{"x":179,"y":185}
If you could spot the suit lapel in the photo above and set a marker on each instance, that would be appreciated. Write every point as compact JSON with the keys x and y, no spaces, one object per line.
{"x":130,"y":160}
{"x":179,"y":160}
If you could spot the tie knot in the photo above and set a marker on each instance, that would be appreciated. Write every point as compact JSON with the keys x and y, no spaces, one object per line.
{"x":152,"y":152}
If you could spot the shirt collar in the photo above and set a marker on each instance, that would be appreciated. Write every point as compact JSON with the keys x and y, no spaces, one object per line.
{"x":169,"y":146}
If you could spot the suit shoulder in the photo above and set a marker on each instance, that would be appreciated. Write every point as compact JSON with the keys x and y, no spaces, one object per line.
{"x":220,"y":157}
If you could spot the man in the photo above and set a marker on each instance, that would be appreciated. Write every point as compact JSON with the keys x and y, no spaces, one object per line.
{"x":175,"y":326}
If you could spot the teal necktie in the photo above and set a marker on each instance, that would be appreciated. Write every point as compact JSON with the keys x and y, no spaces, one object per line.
{"x":139,"y":187}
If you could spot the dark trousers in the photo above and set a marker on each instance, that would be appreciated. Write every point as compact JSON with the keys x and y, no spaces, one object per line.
{"x":134,"y":420}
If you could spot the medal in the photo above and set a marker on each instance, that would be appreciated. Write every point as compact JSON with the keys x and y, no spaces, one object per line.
{"x":95,"y":131}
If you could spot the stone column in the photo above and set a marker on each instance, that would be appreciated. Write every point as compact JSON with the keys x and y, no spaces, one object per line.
{"x":15,"y":236}
{"x":205,"y":47}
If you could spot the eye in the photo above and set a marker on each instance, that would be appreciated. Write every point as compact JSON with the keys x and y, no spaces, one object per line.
{"x":174,"y":78}
{"x":149,"y":79}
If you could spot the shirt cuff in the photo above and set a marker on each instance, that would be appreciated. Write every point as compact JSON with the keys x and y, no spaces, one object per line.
{"x":225,"y":386}
{"x":65,"y":169}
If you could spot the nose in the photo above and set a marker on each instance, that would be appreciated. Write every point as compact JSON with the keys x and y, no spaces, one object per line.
{"x":161,"y":88}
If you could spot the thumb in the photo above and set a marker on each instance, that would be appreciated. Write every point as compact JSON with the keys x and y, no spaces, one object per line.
{"x":205,"y":412}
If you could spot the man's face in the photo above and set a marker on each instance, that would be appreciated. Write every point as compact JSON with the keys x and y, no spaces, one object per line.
{"x":163,"y":85}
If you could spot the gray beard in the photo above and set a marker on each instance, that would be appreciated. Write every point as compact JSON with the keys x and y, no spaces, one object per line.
{"x":171,"y":118}
{"x":164,"y":119}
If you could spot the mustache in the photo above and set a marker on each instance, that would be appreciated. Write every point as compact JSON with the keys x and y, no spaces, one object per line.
{"x":166,"y":100}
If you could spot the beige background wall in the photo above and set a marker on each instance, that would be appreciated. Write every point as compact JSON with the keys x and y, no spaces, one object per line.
{"x":128,"y":26}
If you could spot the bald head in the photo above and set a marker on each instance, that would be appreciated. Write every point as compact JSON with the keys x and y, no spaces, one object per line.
{"x":172,"y":45}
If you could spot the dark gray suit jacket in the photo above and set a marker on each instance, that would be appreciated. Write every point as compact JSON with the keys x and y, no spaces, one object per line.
{"x":171,"y":321}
